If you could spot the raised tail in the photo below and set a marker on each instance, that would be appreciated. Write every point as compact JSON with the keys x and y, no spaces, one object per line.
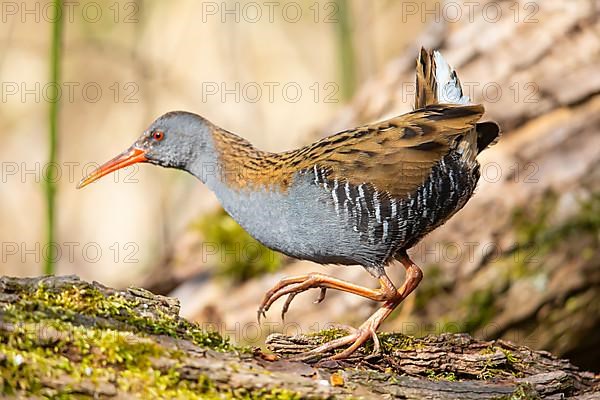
{"x":437,"y":82}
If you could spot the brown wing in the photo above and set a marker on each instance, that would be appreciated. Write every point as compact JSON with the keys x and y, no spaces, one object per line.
{"x":394,"y":156}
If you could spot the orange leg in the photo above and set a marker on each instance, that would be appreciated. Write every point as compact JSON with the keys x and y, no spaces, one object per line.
{"x":368,"y":329}
{"x":297,"y":284}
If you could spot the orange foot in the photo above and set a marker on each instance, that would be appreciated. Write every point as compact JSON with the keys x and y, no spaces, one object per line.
{"x":387,"y":293}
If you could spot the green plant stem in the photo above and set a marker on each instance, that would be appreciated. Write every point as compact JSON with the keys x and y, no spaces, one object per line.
{"x":50,"y":183}
{"x":346,"y":49}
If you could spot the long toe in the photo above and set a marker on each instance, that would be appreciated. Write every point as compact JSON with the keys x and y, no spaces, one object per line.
{"x":355,"y":339}
{"x":362,"y":336}
{"x":291,"y":290}
{"x":325,"y":349}
{"x":288,"y":286}
{"x":286,"y":305}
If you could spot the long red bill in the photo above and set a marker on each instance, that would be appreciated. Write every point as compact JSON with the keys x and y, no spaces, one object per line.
{"x":128,"y":157}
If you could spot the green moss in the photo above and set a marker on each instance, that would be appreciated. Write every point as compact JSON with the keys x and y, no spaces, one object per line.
{"x":74,"y":303}
{"x":49,"y":335}
{"x":510,"y":357}
{"x":532,"y":227}
{"x":489,"y":372}
{"x":397,"y":341}
{"x":327,"y":335}
{"x":77,"y":352}
{"x":537,"y":237}
{"x":430,"y":287}
{"x":25,"y":367}
{"x":239,"y":256}
{"x":531,"y":224}
{"x":441,"y":376}
{"x":34,"y":351}
{"x":479,"y":308}
{"x":512,"y":367}
{"x":266,"y":394}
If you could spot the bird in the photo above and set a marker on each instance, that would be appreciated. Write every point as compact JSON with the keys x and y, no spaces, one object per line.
{"x":363,"y":196}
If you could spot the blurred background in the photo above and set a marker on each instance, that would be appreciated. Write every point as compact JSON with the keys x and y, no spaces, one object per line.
{"x":520,"y":261}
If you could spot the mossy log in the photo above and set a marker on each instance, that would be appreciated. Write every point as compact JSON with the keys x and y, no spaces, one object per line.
{"x":63,"y":337}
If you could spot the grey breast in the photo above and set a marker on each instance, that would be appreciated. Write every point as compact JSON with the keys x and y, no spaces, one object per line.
{"x":302,"y":222}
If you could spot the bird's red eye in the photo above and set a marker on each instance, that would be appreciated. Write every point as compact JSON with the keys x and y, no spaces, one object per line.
{"x":158,"y":135}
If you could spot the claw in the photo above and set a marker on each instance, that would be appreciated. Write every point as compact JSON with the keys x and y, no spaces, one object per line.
{"x":321,"y":295}
{"x":286,"y":305}
{"x":272,"y":295}
{"x":290,"y":287}
{"x":260,"y":313}
{"x":376,"y":344}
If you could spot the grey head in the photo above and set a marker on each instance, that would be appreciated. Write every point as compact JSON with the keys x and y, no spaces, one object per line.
{"x":177,"y":139}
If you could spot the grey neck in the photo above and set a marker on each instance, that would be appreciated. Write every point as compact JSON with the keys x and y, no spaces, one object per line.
{"x":206,"y":168}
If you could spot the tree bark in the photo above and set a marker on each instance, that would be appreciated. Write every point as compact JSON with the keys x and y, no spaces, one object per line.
{"x":60,"y":336}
